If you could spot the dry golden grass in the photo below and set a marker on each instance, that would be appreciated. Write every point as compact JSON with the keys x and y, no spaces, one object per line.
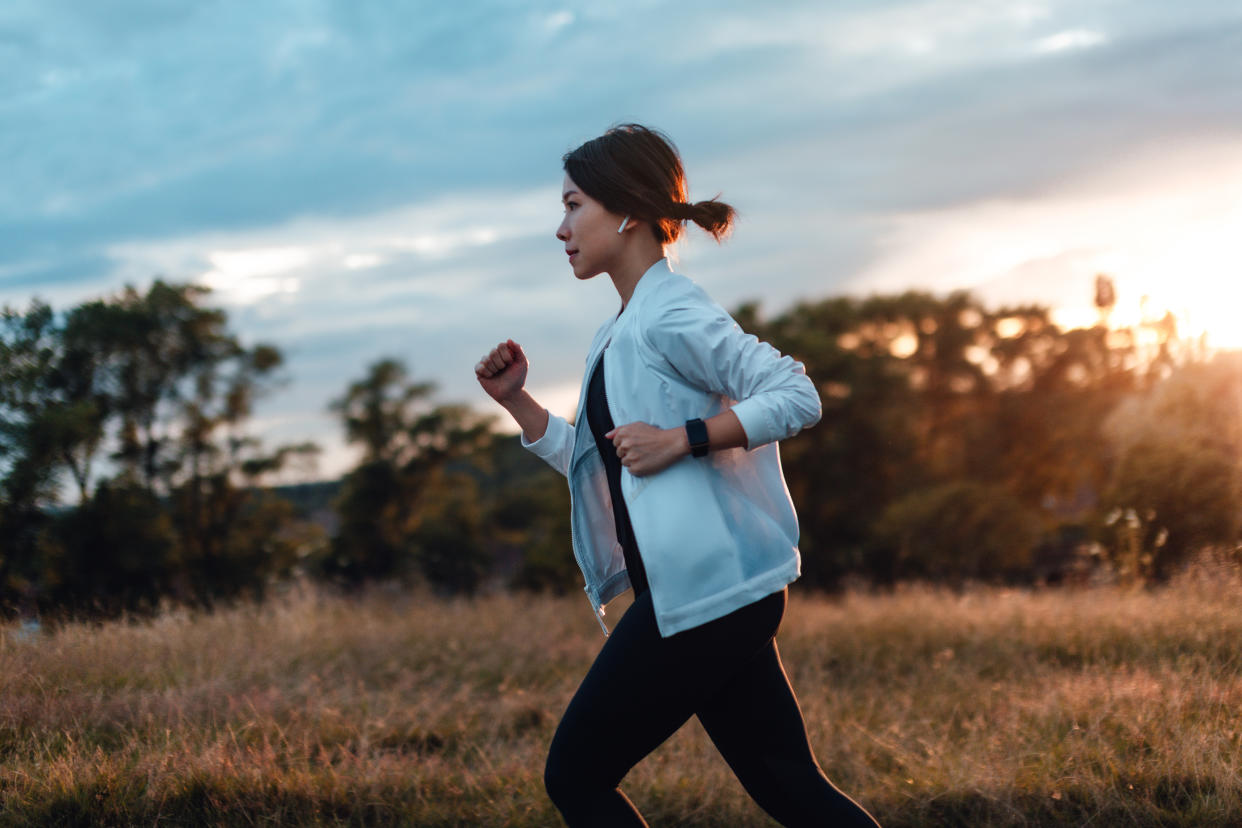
{"x":989,"y":707}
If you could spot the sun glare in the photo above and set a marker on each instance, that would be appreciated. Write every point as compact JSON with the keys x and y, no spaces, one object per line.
{"x":1167,"y":229}
{"x":1203,"y":287}
{"x":1195,"y":273}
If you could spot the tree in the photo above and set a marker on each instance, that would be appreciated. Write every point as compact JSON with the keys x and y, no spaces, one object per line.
{"x":177,"y":386}
{"x":959,"y":531}
{"x":528,"y":519}
{"x":390,"y":504}
{"x":842,"y":472}
{"x":117,"y":552}
{"x":35,"y":426}
{"x":1177,"y":480}
{"x":921,"y":392}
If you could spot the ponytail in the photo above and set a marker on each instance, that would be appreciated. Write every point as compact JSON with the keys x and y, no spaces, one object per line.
{"x":714,"y":216}
{"x":636,"y":171}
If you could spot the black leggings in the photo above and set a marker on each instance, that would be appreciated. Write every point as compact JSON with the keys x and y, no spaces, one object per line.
{"x":642,"y":688}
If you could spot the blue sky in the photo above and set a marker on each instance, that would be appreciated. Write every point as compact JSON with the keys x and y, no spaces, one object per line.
{"x":358,"y":180}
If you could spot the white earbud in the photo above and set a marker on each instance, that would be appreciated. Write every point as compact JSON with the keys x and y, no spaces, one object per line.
{"x":622,"y":227}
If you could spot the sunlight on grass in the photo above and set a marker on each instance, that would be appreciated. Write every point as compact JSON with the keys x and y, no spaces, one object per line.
{"x":931,"y":707}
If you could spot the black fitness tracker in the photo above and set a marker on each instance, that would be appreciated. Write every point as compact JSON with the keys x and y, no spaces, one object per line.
{"x":696,"y":431}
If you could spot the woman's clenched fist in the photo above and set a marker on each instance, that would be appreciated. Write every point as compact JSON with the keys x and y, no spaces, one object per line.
{"x":502,"y":371}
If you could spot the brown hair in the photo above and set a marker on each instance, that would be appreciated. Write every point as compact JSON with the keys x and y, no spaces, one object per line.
{"x":636,"y":171}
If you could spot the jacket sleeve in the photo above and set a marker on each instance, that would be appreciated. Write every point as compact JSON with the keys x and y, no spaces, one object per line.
{"x":556,"y":446}
{"x":775,"y":399}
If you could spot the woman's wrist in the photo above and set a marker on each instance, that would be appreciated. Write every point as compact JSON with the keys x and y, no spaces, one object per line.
{"x":527,"y":413}
{"x":680,"y":440}
{"x":517,"y":400}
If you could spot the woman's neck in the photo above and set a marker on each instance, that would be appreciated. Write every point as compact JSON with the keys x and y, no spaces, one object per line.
{"x":637,"y":260}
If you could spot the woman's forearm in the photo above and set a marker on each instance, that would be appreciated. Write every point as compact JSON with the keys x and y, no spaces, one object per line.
{"x":646,"y":449}
{"x":724,"y":431}
{"x":530,"y":415}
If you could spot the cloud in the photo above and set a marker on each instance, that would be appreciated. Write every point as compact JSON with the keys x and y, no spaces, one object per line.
{"x":245,"y":276}
{"x":240,"y":265}
{"x":1070,"y":39}
{"x":357,"y":179}
{"x":1163,"y":223}
{"x":434,"y":283}
{"x":558,"y":20}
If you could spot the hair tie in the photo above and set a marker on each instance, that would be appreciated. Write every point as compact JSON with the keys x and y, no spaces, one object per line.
{"x":683,"y":211}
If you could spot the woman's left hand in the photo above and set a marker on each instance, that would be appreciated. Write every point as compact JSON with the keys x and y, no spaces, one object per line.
{"x":645,"y":449}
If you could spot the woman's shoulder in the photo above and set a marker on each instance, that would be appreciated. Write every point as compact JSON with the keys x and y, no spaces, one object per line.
{"x":679,"y":291}
{"x":681,"y":310}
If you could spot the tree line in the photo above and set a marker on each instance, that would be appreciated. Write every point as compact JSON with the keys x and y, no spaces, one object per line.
{"x":958,"y":442}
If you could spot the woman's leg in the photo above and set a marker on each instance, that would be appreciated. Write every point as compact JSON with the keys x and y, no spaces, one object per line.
{"x":639,"y":691}
{"x":757,"y":725}
{"x":620,"y":712}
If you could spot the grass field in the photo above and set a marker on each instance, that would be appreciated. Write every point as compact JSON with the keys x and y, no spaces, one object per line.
{"x":1090,"y":707}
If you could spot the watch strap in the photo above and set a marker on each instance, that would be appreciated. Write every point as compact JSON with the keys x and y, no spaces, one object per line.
{"x":696,"y":432}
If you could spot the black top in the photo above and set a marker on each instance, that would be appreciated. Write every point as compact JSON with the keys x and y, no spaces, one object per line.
{"x":600,"y":420}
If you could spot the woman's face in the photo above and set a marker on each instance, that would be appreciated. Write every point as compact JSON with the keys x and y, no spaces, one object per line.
{"x":589,"y":232}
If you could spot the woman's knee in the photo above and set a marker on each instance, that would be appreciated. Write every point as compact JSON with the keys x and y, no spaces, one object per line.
{"x":571,"y":777}
{"x":566,"y":774}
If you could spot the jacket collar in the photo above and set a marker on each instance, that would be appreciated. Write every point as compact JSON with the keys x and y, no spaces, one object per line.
{"x":647,"y":283}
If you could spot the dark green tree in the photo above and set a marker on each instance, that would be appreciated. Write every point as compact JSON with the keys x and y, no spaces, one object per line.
{"x":528,"y":519}
{"x":958,"y":531}
{"x":35,"y":423}
{"x":176,"y":387}
{"x":395,"y":505}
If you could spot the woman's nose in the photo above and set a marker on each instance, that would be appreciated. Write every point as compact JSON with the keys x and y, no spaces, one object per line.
{"x":561,"y":233}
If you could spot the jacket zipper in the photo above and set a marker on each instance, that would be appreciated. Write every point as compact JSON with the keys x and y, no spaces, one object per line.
{"x":573,"y":539}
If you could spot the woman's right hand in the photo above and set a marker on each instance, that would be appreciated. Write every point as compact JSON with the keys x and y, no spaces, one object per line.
{"x":502,"y":373}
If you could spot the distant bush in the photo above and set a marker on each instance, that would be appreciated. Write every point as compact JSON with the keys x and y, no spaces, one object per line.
{"x":116,"y":552}
{"x":1177,"y":479}
{"x":958,"y":531}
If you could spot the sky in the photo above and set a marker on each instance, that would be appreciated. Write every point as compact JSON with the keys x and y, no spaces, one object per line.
{"x":359,"y":180}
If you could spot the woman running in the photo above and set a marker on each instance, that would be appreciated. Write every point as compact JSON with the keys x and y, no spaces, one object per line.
{"x":676,"y":491}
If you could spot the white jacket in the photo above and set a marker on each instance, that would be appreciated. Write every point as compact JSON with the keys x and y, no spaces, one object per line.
{"x":716,"y":532}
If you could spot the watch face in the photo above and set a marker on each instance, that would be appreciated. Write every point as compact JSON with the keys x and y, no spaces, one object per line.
{"x":696,"y":432}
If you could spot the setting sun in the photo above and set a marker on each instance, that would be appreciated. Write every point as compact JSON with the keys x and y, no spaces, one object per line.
{"x":1166,"y":228}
